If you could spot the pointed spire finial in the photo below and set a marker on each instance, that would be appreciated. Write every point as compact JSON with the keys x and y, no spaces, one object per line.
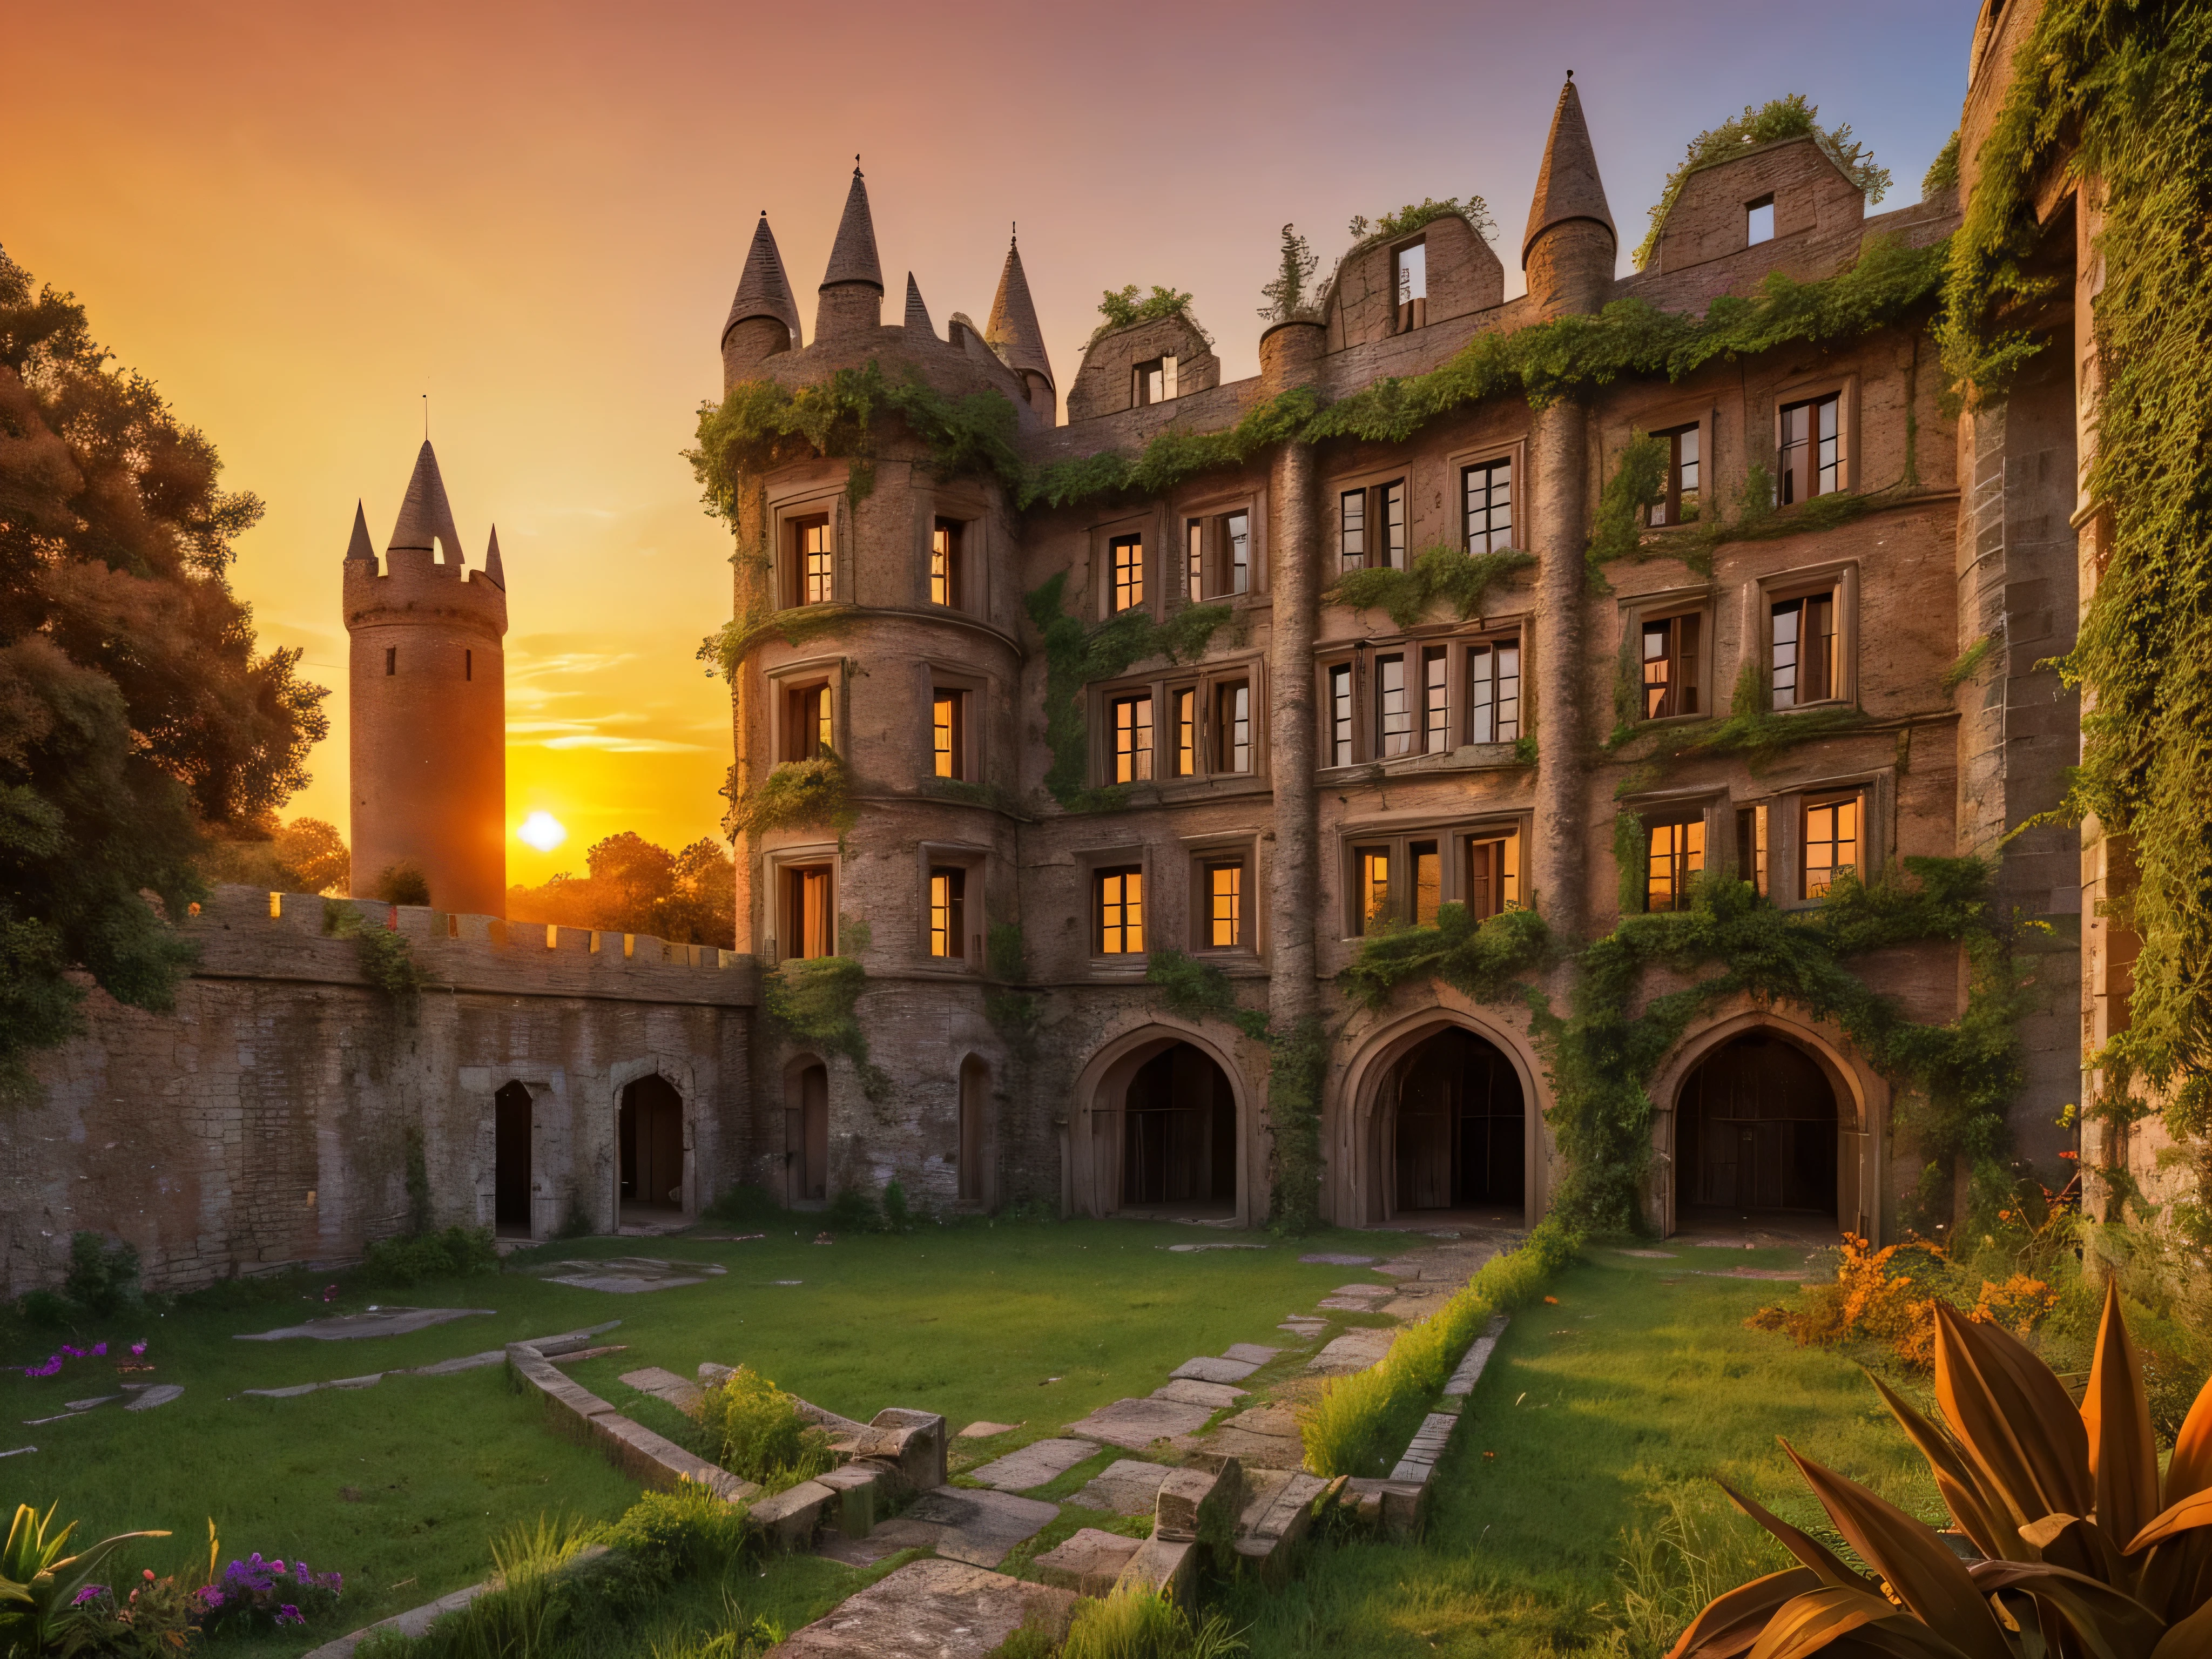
{"x":917,"y":314}
{"x":852,"y":256}
{"x":1567,"y":184}
{"x":1013,"y":327}
{"x":426,"y":517}
{"x":360,"y":547}
{"x":494,"y":572}
{"x":764,"y":290}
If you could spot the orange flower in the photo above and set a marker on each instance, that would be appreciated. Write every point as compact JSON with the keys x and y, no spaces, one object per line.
{"x":1551,"y":1301}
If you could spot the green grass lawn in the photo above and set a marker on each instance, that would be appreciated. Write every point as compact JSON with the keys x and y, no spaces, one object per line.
{"x":404,"y":1487}
{"x":1600,"y":1417}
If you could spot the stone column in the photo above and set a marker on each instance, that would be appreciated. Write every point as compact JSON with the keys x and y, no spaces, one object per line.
{"x":1559,"y":464}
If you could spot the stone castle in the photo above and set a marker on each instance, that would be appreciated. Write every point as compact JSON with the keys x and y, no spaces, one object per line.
{"x":1021,"y":841}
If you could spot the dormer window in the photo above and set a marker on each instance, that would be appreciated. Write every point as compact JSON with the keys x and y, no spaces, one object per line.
{"x":1410,"y":276}
{"x":1155,"y":381}
{"x":1759,"y":221}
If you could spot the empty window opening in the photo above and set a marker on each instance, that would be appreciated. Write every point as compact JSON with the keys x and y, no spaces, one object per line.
{"x":1493,"y":674}
{"x":1679,"y":486}
{"x":1127,"y":557}
{"x":468,"y":664}
{"x":1118,"y":905}
{"x":1155,"y":381}
{"x":948,"y":913}
{"x":1757,"y":1130}
{"x":1831,"y":842}
{"x":510,"y":1183}
{"x":1458,"y":1127}
{"x":1225,"y":904}
{"x":945,"y":561}
{"x":810,"y":911}
{"x":1131,"y":719}
{"x":1803,"y":646}
{"x":651,"y":1124}
{"x":1751,"y":846}
{"x":1411,"y":278}
{"x":1759,"y":221}
{"x":809,"y":730}
{"x":391,"y":659}
{"x":1340,"y":715}
{"x":1489,"y":506}
{"x":948,"y":733}
{"x":1677,"y":855}
{"x":1179,"y":1133}
{"x":1670,"y":667}
{"x":1811,"y":449}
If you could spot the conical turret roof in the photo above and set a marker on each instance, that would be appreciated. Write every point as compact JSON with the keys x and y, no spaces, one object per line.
{"x":425,"y":515}
{"x":852,"y":256}
{"x":917,"y":314}
{"x":1013,"y":325}
{"x":494,"y":572}
{"x":361,"y":547}
{"x":764,"y":290}
{"x":1567,"y":185}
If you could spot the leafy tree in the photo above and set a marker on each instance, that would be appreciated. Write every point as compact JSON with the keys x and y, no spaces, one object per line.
{"x":636,"y":887}
{"x":135,"y":713}
{"x":304,"y":856}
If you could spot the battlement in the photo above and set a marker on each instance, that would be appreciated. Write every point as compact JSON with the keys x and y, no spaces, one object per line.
{"x":247,"y":932}
{"x":413,"y":585}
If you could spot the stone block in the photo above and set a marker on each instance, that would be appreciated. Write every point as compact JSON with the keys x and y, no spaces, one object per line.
{"x":1034,"y":1464}
{"x":1208,"y":1369}
{"x":1428,"y":1445}
{"x":1191,"y":1391}
{"x":944,"y":1609}
{"x":921,"y":1444}
{"x":677,"y":1391}
{"x":789,"y":1519}
{"x":979,"y":1527}
{"x":856,"y":1485}
{"x":1470,"y":1373}
{"x":1166,"y":1566}
{"x":1126,"y":1486}
{"x":1136,"y":1424}
{"x":1089,"y":1563}
{"x":1276,"y":1516}
{"x":1196,"y":1502}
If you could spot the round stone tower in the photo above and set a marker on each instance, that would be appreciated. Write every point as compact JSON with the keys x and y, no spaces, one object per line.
{"x":429,"y":725}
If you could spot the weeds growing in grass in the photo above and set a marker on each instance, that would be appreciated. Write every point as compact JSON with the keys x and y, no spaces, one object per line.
{"x":1696,"y":1547}
{"x":756,"y":1432}
{"x":1134,"y":1623}
{"x":455,"y":1253}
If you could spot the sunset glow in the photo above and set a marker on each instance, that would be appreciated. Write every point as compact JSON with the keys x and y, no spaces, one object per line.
{"x":542,"y":831}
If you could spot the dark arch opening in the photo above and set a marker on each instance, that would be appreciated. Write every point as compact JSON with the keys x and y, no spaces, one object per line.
{"x":807,"y":1132}
{"x":652,"y":1136}
{"x":1756,"y":1130}
{"x":1179,"y":1132}
{"x":510,"y":1180}
{"x":1460,"y":1128}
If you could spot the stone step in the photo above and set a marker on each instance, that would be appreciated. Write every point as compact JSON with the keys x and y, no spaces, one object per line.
{"x":1191,"y":1391}
{"x":1034,"y":1464}
{"x":680,"y":1392}
{"x":944,"y":1608}
{"x":1090,"y":1563}
{"x":1136,"y":1424}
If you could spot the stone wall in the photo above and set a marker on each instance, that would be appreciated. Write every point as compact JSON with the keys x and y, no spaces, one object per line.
{"x":263,"y":1123}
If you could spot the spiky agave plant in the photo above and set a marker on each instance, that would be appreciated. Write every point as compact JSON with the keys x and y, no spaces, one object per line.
{"x":38,"y":1582}
{"x":2071,"y":1548}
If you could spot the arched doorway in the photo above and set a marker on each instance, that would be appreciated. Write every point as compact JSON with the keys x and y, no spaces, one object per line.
{"x":1756,"y":1130}
{"x":971,"y":1158}
{"x":1457,"y":1130}
{"x":510,"y":1163}
{"x":807,"y":1132}
{"x":1179,"y":1135}
{"x":651,"y":1134}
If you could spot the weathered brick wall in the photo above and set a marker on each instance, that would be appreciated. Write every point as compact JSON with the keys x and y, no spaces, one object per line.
{"x":263,"y":1122}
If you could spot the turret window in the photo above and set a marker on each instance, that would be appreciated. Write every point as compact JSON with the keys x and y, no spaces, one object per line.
{"x":1411,"y":273}
{"x":809,"y":724}
{"x":948,"y":912}
{"x":945,"y":585}
{"x":810,"y":911}
{"x":948,"y":733}
{"x":391,"y":660}
{"x":810,"y":567}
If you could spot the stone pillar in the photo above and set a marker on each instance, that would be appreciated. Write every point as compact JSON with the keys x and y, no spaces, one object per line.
{"x":1559,"y":464}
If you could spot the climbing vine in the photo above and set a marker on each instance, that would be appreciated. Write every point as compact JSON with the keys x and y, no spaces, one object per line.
{"x":387,"y":963}
{"x":797,"y":794}
{"x":1192,"y":989}
{"x":1297,"y":1067}
{"x":1442,"y":572}
{"x":813,"y":999}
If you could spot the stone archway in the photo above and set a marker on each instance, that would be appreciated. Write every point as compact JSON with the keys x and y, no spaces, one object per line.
{"x":1755,"y":1130}
{"x":1162,"y":1127}
{"x":513,"y":1128}
{"x":805,"y":1132}
{"x":649,"y":1139}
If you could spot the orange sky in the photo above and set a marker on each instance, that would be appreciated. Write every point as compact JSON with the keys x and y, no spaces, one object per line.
{"x":298,"y":219}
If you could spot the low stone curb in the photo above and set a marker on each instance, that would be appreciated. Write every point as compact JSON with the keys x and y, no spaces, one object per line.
{"x":650,"y":1459}
{"x":417,"y":1620}
{"x":1395,"y":1504}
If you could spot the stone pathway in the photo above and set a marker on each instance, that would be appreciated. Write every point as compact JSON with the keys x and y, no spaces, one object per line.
{"x":628,"y":1275}
{"x":376,"y":1322}
{"x":1034,"y":1464}
{"x":944,"y":1609}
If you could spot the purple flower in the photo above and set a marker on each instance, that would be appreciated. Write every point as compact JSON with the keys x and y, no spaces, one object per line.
{"x":211,"y":1595}
{"x":74,"y":1353}
{"x":100,"y":1351}
{"x":137,"y":1348}
{"x":289,"y":1614}
{"x":90,"y":1593}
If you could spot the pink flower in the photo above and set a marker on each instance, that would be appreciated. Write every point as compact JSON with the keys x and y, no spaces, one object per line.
{"x":137,"y":1348}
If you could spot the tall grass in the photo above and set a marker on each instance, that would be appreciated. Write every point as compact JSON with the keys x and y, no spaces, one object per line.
{"x":1135,"y":1624}
{"x":1697,"y":1548}
{"x":1359,"y":1424}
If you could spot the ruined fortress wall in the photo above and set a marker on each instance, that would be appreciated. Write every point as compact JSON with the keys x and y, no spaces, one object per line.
{"x":263,"y":1121}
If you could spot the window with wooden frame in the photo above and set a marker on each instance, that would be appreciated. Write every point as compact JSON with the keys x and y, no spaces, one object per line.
{"x":808,"y":899}
{"x":1487,"y":506}
{"x":1184,"y":760}
{"x":1393,"y":706}
{"x":1669,"y":653}
{"x":1371,"y":527}
{"x":1129,"y":735}
{"x":1223,"y":897}
{"x":1751,"y":846}
{"x":811,"y":560}
{"x":1406,"y":879}
{"x":1371,"y":876}
{"x":1125,"y":566}
{"x":1436,"y":700}
{"x":1409,"y":270}
{"x":946,"y":584}
{"x":809,"y":721}
{"x":1803,"y":651}
{"x":1675,"y":854}
{"x":1218,"y":554}
{"x":1425,"y":870}
{"x":1811,"y":449}
{"x":1680,"y":484}
{"x":1490,"y":882}
{"x":1232,"y":726}
{"x":1338,"y":717}
{"x":1829,"y":839}
{"x":948,"y":733}
{"x":948,"y":912}
{"x":1493,"y":681}
{"x":1117,"y":894}
{"x":1153,"y":382}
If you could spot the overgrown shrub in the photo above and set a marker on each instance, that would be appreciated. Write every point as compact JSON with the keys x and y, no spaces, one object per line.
{"x":675,"y":1533}
{"x":1144,"y":1624}
{"x":854,"y":1209}
{"x":745,"y":1206}
{"x":896,"y":1218}
{"x":455,"y":1253}
{"x":756,"y":1432}
{"x":103,"y":1274}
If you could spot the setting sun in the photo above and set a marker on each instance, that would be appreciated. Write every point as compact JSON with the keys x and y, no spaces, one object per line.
{"x":542,"y":831}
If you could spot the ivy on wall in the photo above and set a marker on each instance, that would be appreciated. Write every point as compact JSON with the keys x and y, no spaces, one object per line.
{"x":1443,"y":572}
{"x":386,"y":962}
{"x":815,"y":794}
{"x":813,"y":1001}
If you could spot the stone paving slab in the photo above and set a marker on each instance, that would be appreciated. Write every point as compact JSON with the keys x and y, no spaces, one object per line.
{"x":1088,"y":1563}
{"x":1206,"y":1368}
{"x":978,"y":1527}
{"x":467,"y":1362}
{"x":628,"y":1275}
{"x":1347,"y":1304}
{"x":161,"y":1393}
{"x":1192,"y":1392}
{"x":1335,"y":1258}
{"x":1355,"y":1351}
{"x":680,"y":1392}
{"x":1400,"y":1267}
{"x":1034,"y":1464}
{"x":985,"y":1430}
{"x":1250,"y":1353}
{"x":383,"y":1321}
{"x":941,"y":1609}
{"x":1135,"y":1423}
{"x":1190,"y":1249}
{"x":1126,"y":1486}
{"x":1265,"y":1437}
{"x":1366,"y":1290}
